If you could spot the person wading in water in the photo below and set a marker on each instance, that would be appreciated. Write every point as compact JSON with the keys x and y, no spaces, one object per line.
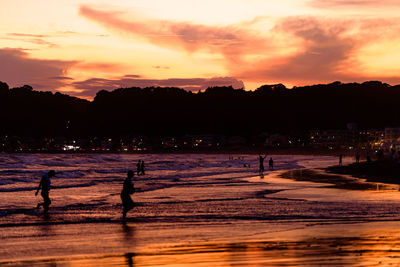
{"x":126,"y":192}
{"x":44,"y":185}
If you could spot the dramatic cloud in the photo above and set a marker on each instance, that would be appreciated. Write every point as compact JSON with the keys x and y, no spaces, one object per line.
{"x":298,"y":49}
{"x":90,"y":87}
{"x":231,"y":41}
{"x":323,"y":52}
{"x":17,"y":69}
{"x":327,"y":52}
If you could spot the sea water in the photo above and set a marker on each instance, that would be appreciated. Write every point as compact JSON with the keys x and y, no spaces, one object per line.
{"x":181,"y":199}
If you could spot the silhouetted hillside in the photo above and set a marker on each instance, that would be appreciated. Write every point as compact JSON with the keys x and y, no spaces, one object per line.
{"x":174,"y":111}
{"x":26,"y":112}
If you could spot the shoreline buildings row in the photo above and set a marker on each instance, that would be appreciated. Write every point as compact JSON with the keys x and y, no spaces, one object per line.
{"x":350,"y":138}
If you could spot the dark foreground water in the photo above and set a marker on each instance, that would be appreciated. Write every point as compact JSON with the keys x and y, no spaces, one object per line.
{"x":203,"y":210}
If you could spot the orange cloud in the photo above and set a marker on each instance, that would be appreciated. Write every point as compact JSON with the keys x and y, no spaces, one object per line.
{"x":100,"y":66}
{"x":323,"y":51}
{"x":328,"y":51}
{"x":231,"y":41}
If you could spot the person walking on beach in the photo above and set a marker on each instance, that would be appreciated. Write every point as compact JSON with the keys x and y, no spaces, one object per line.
{"x":138,"y":166}
{"x":44,"y":186}
{"x":142,"y":168}
{"x":127,"y":190}
{"x":271,"y":163}
{"x":340,"y":159}
{"x":261,"y":161}
{"x":357,"y":157}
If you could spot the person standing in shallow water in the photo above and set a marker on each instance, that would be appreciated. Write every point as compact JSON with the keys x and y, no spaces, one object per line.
{"x":271,"y":163}
{"x":142,"y":168}
{"x":261,"y":160}
{"x":127,"y":190}
{"x":340,"y":159}
{"x":138,"y":166}
{"x":44,"y":185}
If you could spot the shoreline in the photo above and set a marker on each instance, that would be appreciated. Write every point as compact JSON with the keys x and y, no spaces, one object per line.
{"x":356,"y":176}
{"x":381,"y":171}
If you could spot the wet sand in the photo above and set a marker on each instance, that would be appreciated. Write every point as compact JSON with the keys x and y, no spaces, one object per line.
{"x":336,"y":180}
{"x":382,"y":171}
{"x":305,"y":243}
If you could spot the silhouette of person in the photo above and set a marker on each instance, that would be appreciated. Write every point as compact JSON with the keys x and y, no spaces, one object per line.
{"x":340,"y":159}
{"x":138,"y":166}
{"x":44,"y":186}
{"x":126,"y":192}
{"x":261,"y":160}
{"x":357,"y":157}
{"x":271,"y":163}
{"x":142,"y":168}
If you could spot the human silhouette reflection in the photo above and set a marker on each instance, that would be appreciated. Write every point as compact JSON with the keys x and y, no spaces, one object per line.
{"x":129,"y":239}
{"x":129,"y":259}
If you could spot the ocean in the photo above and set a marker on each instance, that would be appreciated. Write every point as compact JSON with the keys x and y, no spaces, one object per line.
{"x":191,"y":209}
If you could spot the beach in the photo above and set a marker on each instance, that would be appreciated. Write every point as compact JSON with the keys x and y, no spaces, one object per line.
{"x":192,"y":209}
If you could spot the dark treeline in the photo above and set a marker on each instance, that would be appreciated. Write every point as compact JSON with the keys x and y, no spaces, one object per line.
{"x":218,"y":110}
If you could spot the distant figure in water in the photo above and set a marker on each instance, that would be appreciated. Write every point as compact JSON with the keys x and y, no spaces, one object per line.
{"x":340,"y":159}
{"x":138,"y":165}
{"x":44,"y":185}
{"x":127,"y":191}
{"x":261,"y":160}
{"x":271,"y":163}
{"x":142,"y":168}
{"x":357,"y":157}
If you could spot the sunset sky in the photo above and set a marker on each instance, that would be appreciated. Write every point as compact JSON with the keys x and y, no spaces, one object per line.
{"x":79,"y":47}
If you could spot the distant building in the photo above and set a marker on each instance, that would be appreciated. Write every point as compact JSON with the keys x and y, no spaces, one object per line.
{"x":372,"y":138}
{"x":392,"y":135}
{"x":332,"y":138}
{"x":277,"y":140}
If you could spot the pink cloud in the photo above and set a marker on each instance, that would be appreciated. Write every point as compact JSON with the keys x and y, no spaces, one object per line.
{"x":326,"y":48}
{"x":231,"y":41}
{"x":324,"y":51}
{"x":327,"y":52}
{"x":38,"y":41}
{"x":100,"y":66}
{"x":17,"y":34}
{"x":17,"y":69}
